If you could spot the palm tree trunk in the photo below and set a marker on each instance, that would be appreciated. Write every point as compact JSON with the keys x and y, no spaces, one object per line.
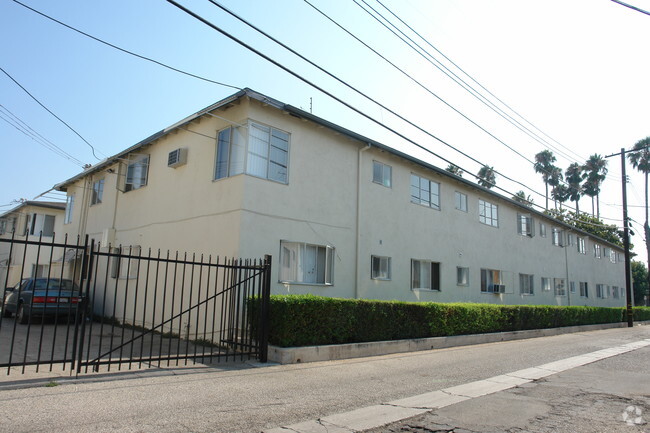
{"x":547,"y":195}
{"x":647,"y":237}
{"x":593,"y":213}
{"x":598,"y":206}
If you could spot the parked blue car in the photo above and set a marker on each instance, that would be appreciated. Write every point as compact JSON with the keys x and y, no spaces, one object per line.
{"x":42,"y":297}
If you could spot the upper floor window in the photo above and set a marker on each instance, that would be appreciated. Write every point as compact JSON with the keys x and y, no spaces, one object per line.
{"x":98,"y":192}
{"x":306,"y":263}
{"x":425,"y":191}
{"x":69,"y":208}
{"x":582,"y":249}
{"x":41,"y":225}
{"x":542,"y":230}
{"x":612,"y":255}
{"x":570,"y":239}
{"x":425,"y":275}
{"x":263,"y":152}
{"x":597,"y":251}
{"x":558,"y":237}
{"x":137,"y":172}
{"x":461,"y":201}
{"x":525,"y":225}
{"x":381,"y":173}
{"x":488,"y":213}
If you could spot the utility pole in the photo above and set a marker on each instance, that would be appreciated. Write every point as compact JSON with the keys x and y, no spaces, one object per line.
{"x":626,"y":243}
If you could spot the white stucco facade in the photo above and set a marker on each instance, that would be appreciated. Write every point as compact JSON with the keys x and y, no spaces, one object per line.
{"x":322,"y":214}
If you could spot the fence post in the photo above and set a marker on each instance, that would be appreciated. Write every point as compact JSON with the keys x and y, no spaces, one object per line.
{"x":86,"y":267}
{"x":265,"y":307}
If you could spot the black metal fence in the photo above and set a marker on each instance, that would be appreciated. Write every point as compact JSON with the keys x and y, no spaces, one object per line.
{"x":84,"y":307}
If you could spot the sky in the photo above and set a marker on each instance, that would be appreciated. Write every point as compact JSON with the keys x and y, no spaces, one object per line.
{"x":577,"y":73}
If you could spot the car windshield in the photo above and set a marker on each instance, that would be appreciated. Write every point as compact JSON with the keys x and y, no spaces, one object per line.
{"x":52,"y":283}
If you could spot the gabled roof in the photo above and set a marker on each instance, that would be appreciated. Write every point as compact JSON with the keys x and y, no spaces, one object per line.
{"x":43,"y":204}
{"x":246,"y":92}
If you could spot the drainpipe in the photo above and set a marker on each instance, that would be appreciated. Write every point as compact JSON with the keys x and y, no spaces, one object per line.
{"x":358,"y":237}
{"x":566,"y":261}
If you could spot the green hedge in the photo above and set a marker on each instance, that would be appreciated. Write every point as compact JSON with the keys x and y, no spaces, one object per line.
{"x":307,"y":320}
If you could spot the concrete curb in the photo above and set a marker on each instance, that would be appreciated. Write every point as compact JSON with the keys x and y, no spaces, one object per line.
{"x":294,"y":355}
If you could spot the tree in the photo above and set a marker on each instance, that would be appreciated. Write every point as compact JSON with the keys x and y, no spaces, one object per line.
{"x":454,"y":169}
{"x":574,"y":176}
{"x":596,"y":169}
{"x":640,"y":282}
{"x":560,"y":193}
{"x":543,"y":162}
{"x":486,"y":177}
{"x":521,"y":197}
{"x":555,"y":179}
{"x":640,"y":159}
{"x":590,"y":224}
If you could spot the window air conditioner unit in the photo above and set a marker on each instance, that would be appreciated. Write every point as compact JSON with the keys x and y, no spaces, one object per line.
{"x":498,"y":288}
{"x":177,"y":157}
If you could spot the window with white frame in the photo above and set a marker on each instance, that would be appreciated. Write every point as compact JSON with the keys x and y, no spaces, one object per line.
{"x":600,"y":291}
{"x":425,"y":275}
{"x":570,"y":239}
{"x":490,"y":280}
{"x":557,"y":237}
{"x":582,"y":249}
{"x":425,"y":192}
{"x":572,"y":286}
{"x":525,"y":225}
{"x":42,"y":225}
{"x":546,"y":284}
{"x":461,"y":201}
{"x":526,"y":284}
{"x":380,"y":268}
{"x":69,"y":209}
{"x":381,"y":173}
{"x":612,"y":255}
{"x":584,"y":289}
{"x":542,"y":230}
{"x":137,"y":171}
{"x":559,"y":286}
{"x":98,"y":192}
{"x":488,"y":213}
{"x":305,"y":263}
{"x":254,"y":149}
{"x":597,"y":251}
{"x":462,"y":276}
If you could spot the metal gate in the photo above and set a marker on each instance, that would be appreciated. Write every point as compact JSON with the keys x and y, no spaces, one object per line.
{"x":83,"y":307}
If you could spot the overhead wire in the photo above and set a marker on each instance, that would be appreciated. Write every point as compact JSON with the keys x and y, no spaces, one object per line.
{"x":631,"y":7}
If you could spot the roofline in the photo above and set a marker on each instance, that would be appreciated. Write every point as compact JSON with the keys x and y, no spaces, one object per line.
{"x":320,"y":121}
{"x":42,"y":204}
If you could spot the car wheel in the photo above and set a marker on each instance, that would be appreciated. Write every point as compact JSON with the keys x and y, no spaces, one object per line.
{"x":5,"y":312}
{"x":21,"y":316}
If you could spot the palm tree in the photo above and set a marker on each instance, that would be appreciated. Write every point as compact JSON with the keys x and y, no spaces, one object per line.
{"x":640,"y":159}
{"x":486,"y":177}
{"x":555,"y":178}
{"x":574,"y":176}
{"x":521,"y":197}
{"x":543,"y":162}
{"x":560,"y":194}
{"x":596,"y":168}
{"x":454,"y":169}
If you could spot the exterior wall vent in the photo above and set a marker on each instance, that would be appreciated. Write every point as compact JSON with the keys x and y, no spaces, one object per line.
{"x":177,"y":157}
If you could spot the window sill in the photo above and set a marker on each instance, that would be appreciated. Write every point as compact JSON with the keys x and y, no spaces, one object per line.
{"x":381,"y":279}
{"x":298,"y":283}
{"x":425,"y":290}
{"x":426,"y":206}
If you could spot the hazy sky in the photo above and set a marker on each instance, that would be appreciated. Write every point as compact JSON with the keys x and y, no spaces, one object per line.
{"x":577,"y":70}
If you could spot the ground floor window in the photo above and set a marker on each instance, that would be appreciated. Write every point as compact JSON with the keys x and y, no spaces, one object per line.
{"x":491,"y":281}
{"x":559,"y":286}
{"x":306,"y":263}
{"x":526,"y":285}
{"x":425,"y":275}
{"x":462,"y":276}
{"x":584,"y":289}
{"x":601,"y":291}
{"x":546,"y":284}
{"x":380,"y":268}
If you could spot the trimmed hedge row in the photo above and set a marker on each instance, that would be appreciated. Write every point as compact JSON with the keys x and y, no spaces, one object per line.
{"x":307,"y":320}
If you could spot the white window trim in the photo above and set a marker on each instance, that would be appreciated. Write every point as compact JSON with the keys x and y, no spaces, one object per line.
{"x":300,"y":280}
{"x":490,"y":221}
{"x":69,"y":209}
{"x":485,"y":288}
{"x":385,"y":180}
{"x":431,"y":264}
{"x":388,"y":262}
{"x":432,"y":203}
{"x":531,"y":283}
{"x":463,"y":199}
{"x":526,"y":228}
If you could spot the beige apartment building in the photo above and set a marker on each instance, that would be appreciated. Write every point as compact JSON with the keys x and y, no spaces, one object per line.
{"x":33,"y":220}
{"x":341,"y":215}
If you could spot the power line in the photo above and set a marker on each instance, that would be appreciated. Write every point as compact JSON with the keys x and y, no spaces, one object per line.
{"x":49,"y":111}
{"x":631,"y":7}
{"x":127,"y":51}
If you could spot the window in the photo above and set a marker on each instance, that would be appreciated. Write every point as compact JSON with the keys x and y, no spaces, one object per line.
{"x":462,"y":276}
{"x":597,"y":251}
{"x":136,"y":172}
{"x":69,"y":208}
{"x":40,"y":271}
{"x":572,"y":286}
{"x":41,"y":225}
{"x":425,"y":192}
{"x":3,"y":226}
{"x":546,"y":284}
{"x":526,"y":284}
{"x":584,"y":289}
{"x":612,"y":255}
{"x":489,"y":279}
{"x":582,"y":249}
{"x":488,"y":213}
{"x":380,"y":268}
{"x":600,"y":291}
{"x":306,"y":263}
{"x":525,"y":225}
{"x":615,"y":292}
{"x":557,"y":237}
{"x":542,"y":230}
{"x":98,"y":192}
{"x":425,"y":275}
{"x":381,"y":173}
{"x":461,"y":201}
{"x":560,"y":288}
{"x":570,"y":239}
{"x":125,"y":262}
{"x":261,"y":151}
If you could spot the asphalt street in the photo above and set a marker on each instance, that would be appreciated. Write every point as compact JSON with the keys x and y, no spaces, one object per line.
{"x":255,"y":397}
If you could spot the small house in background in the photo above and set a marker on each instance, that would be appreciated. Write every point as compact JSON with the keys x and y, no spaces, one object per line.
{"x":342,"y":215}
{"x":34,"y":220}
